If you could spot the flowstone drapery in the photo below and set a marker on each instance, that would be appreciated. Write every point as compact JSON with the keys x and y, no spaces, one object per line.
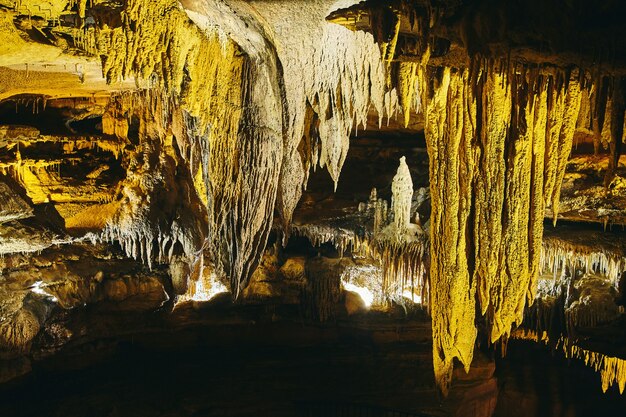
{"x":494,"y":166}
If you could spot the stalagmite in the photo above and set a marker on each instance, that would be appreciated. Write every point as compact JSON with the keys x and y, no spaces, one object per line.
{"x":402,"y":189}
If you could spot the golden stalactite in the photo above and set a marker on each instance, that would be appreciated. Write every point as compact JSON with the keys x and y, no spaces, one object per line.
{"x":152,"y":40}
{"x":385,"y":22}
{"x":450,"y":113}
{"x":498,"y":141}
{"x":564,"y":106}
{"x":407,"y":91}
{"x":612,"y":369}
{"x":495,"y":105}
{"x":82,"y":8}
{"x":509,"y":283}
{"x":537,"y":120}
{"x":618,"y":107}
{"x":607,"y":107}
{"x":599,"y":105}
{"x":215,"y":98}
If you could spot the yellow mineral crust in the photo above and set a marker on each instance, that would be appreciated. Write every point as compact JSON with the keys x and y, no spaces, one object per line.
{"x":498,"y":141}
{"x":612,"y":369}
{"x":407,"y":91}
{"x":222,"y":108}
{"x":450,"y":113}
{"x":564,"y":106}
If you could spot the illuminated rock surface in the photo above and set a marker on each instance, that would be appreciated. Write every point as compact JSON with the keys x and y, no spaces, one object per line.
{"x":355,"y":166}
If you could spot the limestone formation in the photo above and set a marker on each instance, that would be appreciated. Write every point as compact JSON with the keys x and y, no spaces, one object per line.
{"x":402,"y":189}
{"x":165,"y":155}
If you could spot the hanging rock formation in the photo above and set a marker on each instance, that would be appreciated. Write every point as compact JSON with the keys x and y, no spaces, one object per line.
{"x":187,"y":132}
{"x":489,"y":161}
{"x":499,"y":133}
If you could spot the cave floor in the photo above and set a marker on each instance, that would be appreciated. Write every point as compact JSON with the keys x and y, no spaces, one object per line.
{"x":233,"y":367}
{"x":219,"y":382}
{"x":228,"y":365}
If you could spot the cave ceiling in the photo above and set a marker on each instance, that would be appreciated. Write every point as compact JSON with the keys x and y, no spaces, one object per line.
{"x":462,"y":155}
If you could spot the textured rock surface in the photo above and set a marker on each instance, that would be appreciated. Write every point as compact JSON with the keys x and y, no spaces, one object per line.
{"x":160,"y":154}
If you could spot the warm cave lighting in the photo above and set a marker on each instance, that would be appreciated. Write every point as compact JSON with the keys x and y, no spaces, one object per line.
{"x":204,"y":293}
{"x":411,"y":295}
{"x":38,"y":288}
{"x":366,"y":295}
{"x":204,"y":289}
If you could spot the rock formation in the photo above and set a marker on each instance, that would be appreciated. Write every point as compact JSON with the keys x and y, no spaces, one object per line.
{"x":157,"y":154}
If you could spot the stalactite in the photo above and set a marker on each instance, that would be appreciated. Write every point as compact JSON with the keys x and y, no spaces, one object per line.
{"x":499,"y":135}
{"x":82,"y":7}
{"x":226,"y":88}
{"x":342,"y":239}
{"x":563,"y":113}
{"x":408,"y":90}
{"x":484,"y":189}
{"x":329,"y":91}
{"x":148,"y":225}
{"x":612,"y":369}
{"x":385,"y":23}
{"x":558,"y":256}
{"x":342,"y":84}
{"x":607,"y":108}
{"x":404,"y":266}
{"x":598,"y":110}
{"x":584,"y":122}
{"x":447,"y":104}
{"x":538,"y":118}
{"x":618,"y":107}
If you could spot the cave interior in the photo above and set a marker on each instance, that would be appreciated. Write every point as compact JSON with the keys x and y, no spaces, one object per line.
{"x":312,"y":208}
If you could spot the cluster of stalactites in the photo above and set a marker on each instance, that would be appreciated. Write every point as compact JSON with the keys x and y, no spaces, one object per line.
{"x":400,"y":75}
{"x":612,"y":369}
{"x":404,"y":267}
{"x":557,"y":258}
{"x":228,"y":88}
{"x":403,"y":263}
{"x":149,"y":227}
{"x":498,"y":139}
{"x":342,"y":86}
{"x":602,"y":114}
{"x":226,"y":125}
